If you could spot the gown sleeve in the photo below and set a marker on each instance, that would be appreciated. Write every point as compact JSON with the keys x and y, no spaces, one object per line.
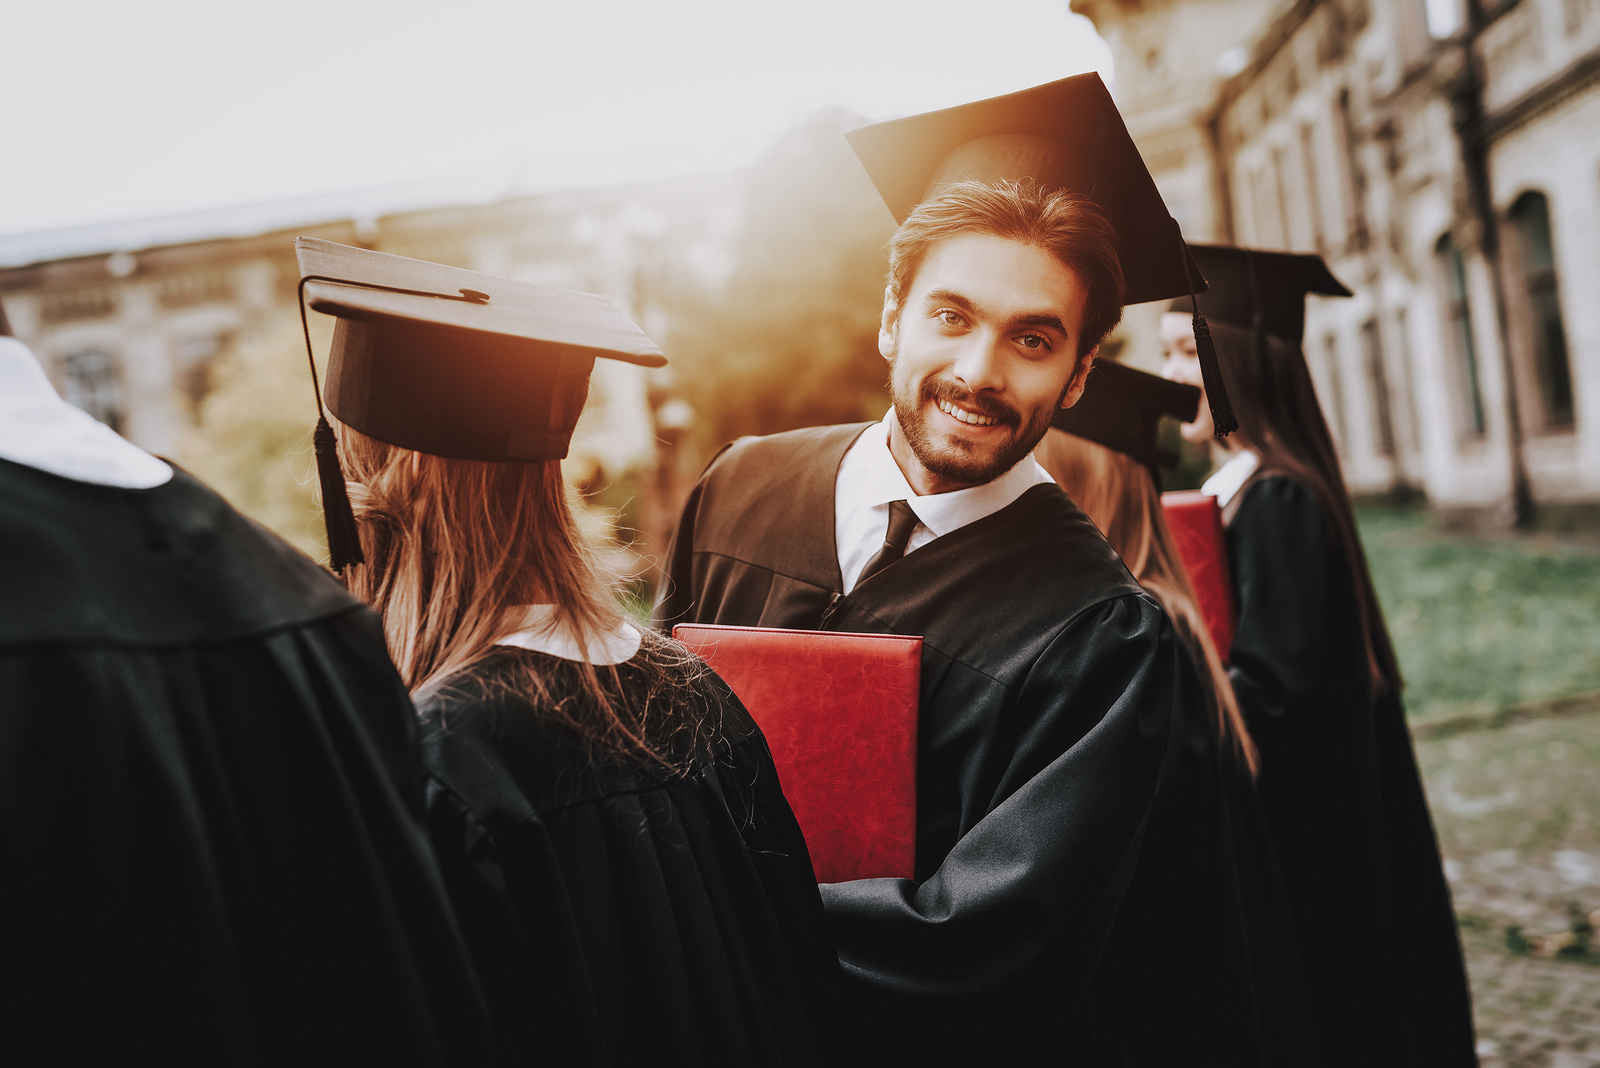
{"x":1020,"y":908}
{"x":1278,"y":544}
{"x":675,"y":600}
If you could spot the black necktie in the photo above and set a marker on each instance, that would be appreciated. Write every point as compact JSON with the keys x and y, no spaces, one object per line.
{"x":902,"y":521}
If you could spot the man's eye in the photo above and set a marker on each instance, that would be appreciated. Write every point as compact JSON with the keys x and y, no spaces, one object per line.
{"x":1034,"y":341}
{"x":948,"y":317}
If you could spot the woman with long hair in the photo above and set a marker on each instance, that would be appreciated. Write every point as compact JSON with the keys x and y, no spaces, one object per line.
{"x":628,"y":876}
{"x":1216,"y":979}
{"x":1319,"y":684}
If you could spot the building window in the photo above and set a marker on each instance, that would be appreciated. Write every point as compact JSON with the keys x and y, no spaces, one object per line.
{"x":1313,"y":198}
{"x":1372,"y":345}
{"x":1458,"y":331}
{"x":90,"y":380}
{"x":1330,"y":363}
{"x":1280,"y":189}
{"x":1530,"y":217}
{"x":1444,"y":17}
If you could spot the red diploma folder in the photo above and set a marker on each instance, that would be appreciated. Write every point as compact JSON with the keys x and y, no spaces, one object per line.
{"x":840,"y":714}
{"x":1196,"y":525}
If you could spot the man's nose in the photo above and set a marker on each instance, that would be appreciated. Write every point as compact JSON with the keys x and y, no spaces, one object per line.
{"x":979,"y":366}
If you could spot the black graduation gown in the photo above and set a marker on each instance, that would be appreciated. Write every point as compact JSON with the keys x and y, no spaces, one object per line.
{"x":1201,"y":967}
{"x":1048,"y":697}
{"x":624,"y":912}
{"x":211,"y":838}
{"x":1342,"y":795}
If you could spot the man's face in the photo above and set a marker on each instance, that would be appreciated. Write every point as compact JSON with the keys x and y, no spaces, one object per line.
{"x":983,"y":352}
{"x":1183,"y":365}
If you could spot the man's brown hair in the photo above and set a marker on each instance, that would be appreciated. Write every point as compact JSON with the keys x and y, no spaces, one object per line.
{"x":1070,"y":227}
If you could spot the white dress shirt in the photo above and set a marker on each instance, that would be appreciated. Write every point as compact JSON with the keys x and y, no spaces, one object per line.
{"x":39,"y":429}
{"x":870,"y":479}
{"x":1231,"y":477}
{"x":538,"y":630}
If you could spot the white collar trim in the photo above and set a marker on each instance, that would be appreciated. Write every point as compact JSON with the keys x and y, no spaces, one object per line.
{"x":539,"y":631}
{"x":1231,"y":477}
{"x":941,"y":513}
{"x":40,"y":430}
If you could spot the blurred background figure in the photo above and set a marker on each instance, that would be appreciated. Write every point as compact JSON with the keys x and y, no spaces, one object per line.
{"x":1203,"y":965}
{"x":210,"y":792}
{"x":1315,"y":673}
{"x":632,"y":883}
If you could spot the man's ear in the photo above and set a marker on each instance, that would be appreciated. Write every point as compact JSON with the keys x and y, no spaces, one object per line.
{"x":889,"y":325}
{"x":1080,"y":376}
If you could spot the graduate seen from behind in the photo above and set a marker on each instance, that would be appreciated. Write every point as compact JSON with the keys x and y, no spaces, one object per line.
{"x":1049,"y":678}
{"x":1317,"y":678}
{"x":630,"y":880}
{"x":1201,"y":968}
{"x":210,"y":785}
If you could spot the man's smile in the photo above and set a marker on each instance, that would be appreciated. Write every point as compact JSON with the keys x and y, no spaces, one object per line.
{"x":970,"y":418}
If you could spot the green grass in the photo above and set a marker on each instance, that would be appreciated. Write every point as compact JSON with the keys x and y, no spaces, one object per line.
{"x":1482,"y":625}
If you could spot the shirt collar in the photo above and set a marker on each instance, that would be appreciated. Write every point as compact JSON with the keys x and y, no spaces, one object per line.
{"x":539,"y":630}
{"x":40,"y":430}
{"x":1231,"y":477}
{"x":940,"y":512}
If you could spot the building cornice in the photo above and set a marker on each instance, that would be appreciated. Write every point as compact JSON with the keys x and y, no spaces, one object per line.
{"x":1542,"y":98}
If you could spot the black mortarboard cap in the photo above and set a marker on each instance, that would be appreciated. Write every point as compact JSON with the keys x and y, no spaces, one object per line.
{"x":1122,"y":407}
{"x":1065,"y":135}
{"x":1246,"y":282}
{"x":451,"y":362}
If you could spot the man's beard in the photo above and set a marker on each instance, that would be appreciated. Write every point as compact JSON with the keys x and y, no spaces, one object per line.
{"x":961,"y":461}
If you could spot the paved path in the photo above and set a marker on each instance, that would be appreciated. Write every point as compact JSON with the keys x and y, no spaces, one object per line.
{"x":1535,"y":1013}
{"x":1517,"y":805}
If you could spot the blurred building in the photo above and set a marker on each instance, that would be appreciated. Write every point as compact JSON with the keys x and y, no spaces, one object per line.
{"x":129,"y":318}
{"x":1444,"y":155}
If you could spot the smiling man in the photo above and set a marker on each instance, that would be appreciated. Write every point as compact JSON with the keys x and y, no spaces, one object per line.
{"x":1049,"y":677}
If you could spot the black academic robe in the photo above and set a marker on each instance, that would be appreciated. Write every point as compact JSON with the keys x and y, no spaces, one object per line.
{"x":1342,"y":794}
{"x":1048,"y":698}
{"x":211,"y":839}
{"x":624,"y":911}
{"x":1201,"y":967}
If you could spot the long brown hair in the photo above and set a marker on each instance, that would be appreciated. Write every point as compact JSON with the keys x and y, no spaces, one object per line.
{"x":1281,"y":420}
{"x":1117,"y":493}
{"x":455,"y":548}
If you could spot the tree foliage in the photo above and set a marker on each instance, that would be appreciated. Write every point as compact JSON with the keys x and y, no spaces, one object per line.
{"x":251,"y":440}
{"x":791,"y":339}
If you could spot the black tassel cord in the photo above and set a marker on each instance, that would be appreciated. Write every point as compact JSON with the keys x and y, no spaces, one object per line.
{"x":1223,"y":421}
{"x":344,"y":540}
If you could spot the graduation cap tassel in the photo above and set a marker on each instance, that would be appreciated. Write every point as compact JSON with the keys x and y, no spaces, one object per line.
{"x":1222,"y":418}
{"x":344,"y":540}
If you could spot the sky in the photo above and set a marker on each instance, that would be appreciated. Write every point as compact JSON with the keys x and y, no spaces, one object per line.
{"x":122,"y":110}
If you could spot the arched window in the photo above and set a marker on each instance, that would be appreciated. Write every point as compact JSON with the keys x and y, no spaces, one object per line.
{"x":1458,"y":331}
{"x":1530,"y":217}
{"x":90,"y":381}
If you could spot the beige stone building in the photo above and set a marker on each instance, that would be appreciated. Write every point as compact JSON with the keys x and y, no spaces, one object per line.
{"x":128,"y":318}
{"x":1444,"y":155}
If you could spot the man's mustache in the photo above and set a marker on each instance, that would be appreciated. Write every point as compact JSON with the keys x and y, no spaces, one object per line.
{"x":1001,"y":412}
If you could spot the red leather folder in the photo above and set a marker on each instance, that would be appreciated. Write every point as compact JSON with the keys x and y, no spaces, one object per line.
{"x":840,"y":715}
{"x":1196,"y":525}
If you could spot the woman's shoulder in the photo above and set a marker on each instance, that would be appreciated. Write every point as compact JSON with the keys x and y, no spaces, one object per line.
{"x":485,"y":728}
{"x":1276,"y":496}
